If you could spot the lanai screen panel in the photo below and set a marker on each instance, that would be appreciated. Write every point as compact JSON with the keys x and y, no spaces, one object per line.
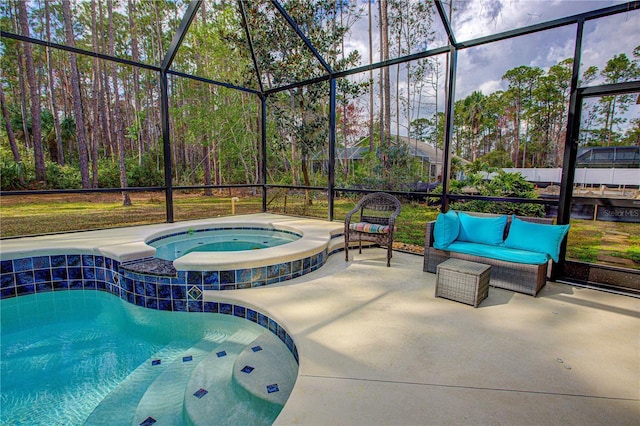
{"x":136,"y":30}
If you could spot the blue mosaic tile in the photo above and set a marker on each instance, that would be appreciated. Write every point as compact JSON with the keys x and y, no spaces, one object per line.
{"x":7,"y":280}
{"x":130,"y":297}
{"x":272,"y":388}
{"x":6,"y":266}
{"x":152,"y":303}
{"x":272,"y":271}
{"x":164,"y":291}
{"x":41,"y":262}
{"x":210,"y":278}
{"x":263,"y":320}
{"x":101,"y":274}
{"x":285,"y":268}
{"x":20,"y":265}
{"x":89,"y":273}
{"x":139,"y":288}
{"x":25,"y":289}
{"x":247,"y":369}
{"x":139,"y":300}
{"x":150,"y":290}
{"x":243,"y":275}
{"x":179,"y":306}
{"x":243,"y":285}
{"x":73,"y":260}
{"x":227,"y":277}
{"x":6,"y":293}
{"x":221,"y":354}
{"x":127,"y":284}
{"x":296,"y":266}
{"x":252,"y":315}
{"x":178,"y":292}
{"x":99,"y":261}
{"x":76,"y":285}
{"x":226,"y":308}
{"x":239,"y":311}
{"x":281,"y":333}
{"x":194,"y":277}
{"x":187,"y":358}
{"x":258,"y":274}
{"x":25,"y":278}
{"x":88,"y":260}
{"x":44,"y":287}
{"x":273,"y":326}
{"x":148,"y":421}
{"x":256,"y":348}
{"x":74,"y":273}
{"x":58,"y":274}
{"x":228,"y":287}
{"x":289,"y":342}
{"x":258,"y":283}
{"x":195,"y":306}
{"x":164,"y":304}
{"x":211,"y":307}
{"x":200,"y":393}
{"x":156,"y":362}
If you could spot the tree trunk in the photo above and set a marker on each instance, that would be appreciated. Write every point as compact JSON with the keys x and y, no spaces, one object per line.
{"x":384,"y":27}
{"x":371,"y":129}
{"x":206,"y":165}
{"x":117,"y":121}
{"x":10,"y":135}
{"x":52,"y":93}
{"x":77,"y":100}
{"x":96,"y":95}
{"x":34,"y":97}
{"x":135,"y":56}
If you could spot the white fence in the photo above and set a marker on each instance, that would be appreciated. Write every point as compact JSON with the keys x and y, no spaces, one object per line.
{"x":583,"y":176}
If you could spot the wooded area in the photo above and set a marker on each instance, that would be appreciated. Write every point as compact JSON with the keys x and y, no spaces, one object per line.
{"x":81,"y":121}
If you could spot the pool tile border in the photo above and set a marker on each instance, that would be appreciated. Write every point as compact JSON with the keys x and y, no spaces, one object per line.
{"x":42,"y":274}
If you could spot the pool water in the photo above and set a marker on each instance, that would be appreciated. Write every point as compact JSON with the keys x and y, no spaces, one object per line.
{"x":232,"y":239}
{"x":86,"y":357}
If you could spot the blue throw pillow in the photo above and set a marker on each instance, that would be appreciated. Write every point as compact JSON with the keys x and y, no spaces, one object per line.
{"x":482,"y":230}
{"x":446,"y":229}
{"x":536,"y":237}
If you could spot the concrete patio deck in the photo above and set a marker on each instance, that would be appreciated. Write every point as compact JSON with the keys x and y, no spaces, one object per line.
{"x":377,"y":348}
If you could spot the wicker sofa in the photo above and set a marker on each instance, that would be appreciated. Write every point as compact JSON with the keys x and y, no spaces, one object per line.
{"x":515,"y":275}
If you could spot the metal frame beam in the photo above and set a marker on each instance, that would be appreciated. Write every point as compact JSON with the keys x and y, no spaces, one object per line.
{"x":304,"y":38}
{"x":247,"y":32}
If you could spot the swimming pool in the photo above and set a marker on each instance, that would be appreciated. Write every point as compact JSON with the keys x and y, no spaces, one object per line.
{"x":85,"y":356}
{"x":224,"y":239}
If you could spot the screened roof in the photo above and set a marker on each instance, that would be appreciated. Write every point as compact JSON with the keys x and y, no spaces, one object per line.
{"x":261,"y":35}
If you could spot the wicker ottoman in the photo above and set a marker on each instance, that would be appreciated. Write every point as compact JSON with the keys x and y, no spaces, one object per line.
{"x":463,"y":281}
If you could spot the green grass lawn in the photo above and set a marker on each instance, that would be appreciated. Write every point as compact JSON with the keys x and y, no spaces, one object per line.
{"x":610,"y":243}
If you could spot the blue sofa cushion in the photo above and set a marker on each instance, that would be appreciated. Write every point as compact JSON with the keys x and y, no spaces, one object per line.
{"x":446,"y":229}
{"x":536,"y":237}
{"x":499,"y":252}
{"x":483,"y":230}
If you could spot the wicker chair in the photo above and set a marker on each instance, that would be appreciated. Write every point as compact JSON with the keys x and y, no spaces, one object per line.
{"x":378,"y":212}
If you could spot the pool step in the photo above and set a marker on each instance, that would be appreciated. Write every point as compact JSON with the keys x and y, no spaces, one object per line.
{"x":120,"y":404}
{"x":263,"y":371}
{"x":267,"y":370}
{"x":164,"y":398}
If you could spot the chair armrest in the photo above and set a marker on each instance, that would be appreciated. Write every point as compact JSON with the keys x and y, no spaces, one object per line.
{"x":428,"y":240}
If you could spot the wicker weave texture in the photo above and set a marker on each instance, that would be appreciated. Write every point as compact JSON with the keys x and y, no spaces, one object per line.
{"x":463,"y":281}
{"x":523,"y":278}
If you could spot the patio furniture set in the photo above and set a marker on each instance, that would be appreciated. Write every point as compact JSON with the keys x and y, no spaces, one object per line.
{"x":467,"y":250}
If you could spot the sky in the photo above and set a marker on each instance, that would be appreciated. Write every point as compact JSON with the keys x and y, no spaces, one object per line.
{"x":481,"y":68}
